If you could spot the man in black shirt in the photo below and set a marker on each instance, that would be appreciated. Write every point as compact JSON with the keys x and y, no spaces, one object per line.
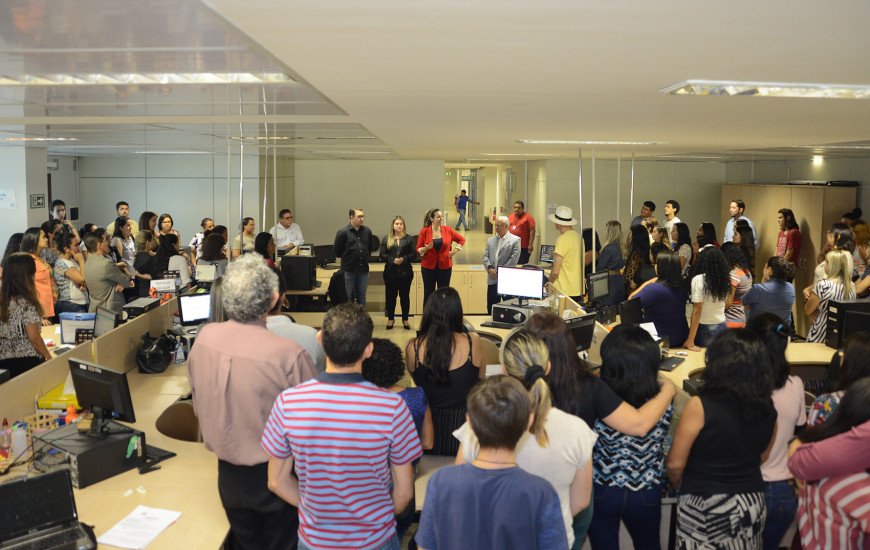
{"x":352,"y":245}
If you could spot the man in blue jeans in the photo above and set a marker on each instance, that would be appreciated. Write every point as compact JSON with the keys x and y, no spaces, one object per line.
{"x":461,"y":207}
{"x":352,"y":245}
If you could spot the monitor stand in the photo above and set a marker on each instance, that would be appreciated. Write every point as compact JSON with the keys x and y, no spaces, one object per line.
{"x":101,"y":422}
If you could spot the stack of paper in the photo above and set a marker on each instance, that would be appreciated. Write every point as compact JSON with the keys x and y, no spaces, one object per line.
{"x":137,"y":530}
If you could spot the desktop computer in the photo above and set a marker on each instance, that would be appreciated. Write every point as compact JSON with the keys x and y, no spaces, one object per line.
{"x":846,"y":317}
{"x":299,"y":272}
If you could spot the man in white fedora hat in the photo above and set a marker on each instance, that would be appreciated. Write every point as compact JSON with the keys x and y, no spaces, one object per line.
{"x":568,"y":257}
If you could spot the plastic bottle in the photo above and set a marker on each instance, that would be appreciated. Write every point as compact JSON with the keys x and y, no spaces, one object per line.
{"x":19,"y":440}
{"x":179,"y":352}
{"x":5,"y":440}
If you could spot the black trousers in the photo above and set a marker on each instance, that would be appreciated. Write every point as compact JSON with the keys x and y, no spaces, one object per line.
{"x":525,"y":254}
{"x":259,"y":519}
{"x":20,"y":365}
{"x":432,"y":278}
{"x":491,"y":297}
{"x":402,"y":287}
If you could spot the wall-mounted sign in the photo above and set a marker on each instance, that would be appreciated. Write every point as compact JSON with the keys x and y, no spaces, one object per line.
{"x":7,"y":198}
{"x":37,"y":201}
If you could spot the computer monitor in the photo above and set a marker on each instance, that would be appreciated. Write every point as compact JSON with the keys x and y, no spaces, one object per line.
{"x":520,"y":282}
{"x":582,"y":329}
{"x":599,"y":285}
{"x":194,"y":309}
{"x":104,"y":321}
{"x":324,"y":254}
{"x":630,"y":311}
{"x":547,"y":251}
{"x":105,"y":392}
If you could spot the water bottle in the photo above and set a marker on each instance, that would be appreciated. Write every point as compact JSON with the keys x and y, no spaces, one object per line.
{"x":19,"y":440}
{"x":5,"y":440}
{"x":179,"y":352}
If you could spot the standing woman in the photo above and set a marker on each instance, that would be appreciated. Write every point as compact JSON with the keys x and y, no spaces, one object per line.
{"x":435,"y":245}
{"x":682,"y":246}
{"x":839,"y":237}
{"x":741,"y":280}
{"x":164,"y":224}
{"x":213,"y":253}
{"x":21,"y":343}
{"x":708,"y":230}
{"x":746,"y":240}
{"x":169,"y":258}
{"x":664,"y":299}
{"x":612,"y":259}
{"x":50,"y":228}
{"x":638,"y":255}
{"x":397,"y":253}
{"x":33,"y":243}
{"x":838,"y":286}
{"x":145,"y":264}
{"x":246,"y":241}
{"x":861,"y":254}
{"x":69,"y":276}
{"x":711,"y":292}
{"x":148,"y":220}
{"x":587,"y":246}
{"x":723,"y":437}
{"x":123,"y":242}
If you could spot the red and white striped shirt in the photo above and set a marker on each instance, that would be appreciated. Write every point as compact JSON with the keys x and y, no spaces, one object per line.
{"x":834,"y":513}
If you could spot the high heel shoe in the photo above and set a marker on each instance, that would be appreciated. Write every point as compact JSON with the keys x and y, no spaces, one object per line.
{"x":406,"y":325}
{"x":390,"y":325}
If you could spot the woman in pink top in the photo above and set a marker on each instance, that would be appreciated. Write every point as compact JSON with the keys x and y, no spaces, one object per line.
{"x":34,"y":242}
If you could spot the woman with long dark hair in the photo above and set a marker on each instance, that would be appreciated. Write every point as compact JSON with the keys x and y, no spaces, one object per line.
{"x":50,"y":228}
{"x":682,"y":246}
{"x":587,"y":246}
{"x":711,"y":292}
{"x":264,"y":245}
{"x":169,"y":258}
{"x":144,"y":264}
{"x":744,"y":238}
{"x":638,"y":255}
{"x":721,"y":441}
{"x":213,"y":253}
{"x":791,"y":415}
{"x":397,"y":252}
{"x":708,"y":230}
{"x":629,"y":470}
{"x":855,"y":364}
{"x":838,"y":237}
{"x":123,"y":243}
{"x":664,"y":299}
{"x":13,"y":245}
{"x":435,"y":244}
{"x":741,"y":280}
{"x":148,"y":221}
{"x":446,"y":361}
{"x":21,"y":343}
{"x":69,"y":269}
{"x":33,"y":243}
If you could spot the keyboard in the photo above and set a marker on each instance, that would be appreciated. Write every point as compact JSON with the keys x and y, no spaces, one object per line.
{"x":670,"y":363}
{"x":156,"y":454}
{"x":499,"y":324}
{"x":57,"y":540}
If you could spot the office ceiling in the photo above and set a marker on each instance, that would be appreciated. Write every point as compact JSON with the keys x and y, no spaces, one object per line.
{"x":435,"y":80}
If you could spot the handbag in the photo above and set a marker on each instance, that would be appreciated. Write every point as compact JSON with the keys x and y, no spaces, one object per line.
{"x":155,"y":354}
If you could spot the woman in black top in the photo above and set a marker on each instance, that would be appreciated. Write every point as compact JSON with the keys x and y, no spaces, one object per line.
{"x":638,"y":255}
{"x":397,"y":252}
{"x":144,"y":264}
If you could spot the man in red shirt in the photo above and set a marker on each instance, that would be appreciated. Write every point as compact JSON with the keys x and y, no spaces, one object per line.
{"x":522,"y":224}
{"x":788,"y":243}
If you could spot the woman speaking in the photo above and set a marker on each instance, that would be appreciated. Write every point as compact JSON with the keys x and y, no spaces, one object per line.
{"x":434,"y":244}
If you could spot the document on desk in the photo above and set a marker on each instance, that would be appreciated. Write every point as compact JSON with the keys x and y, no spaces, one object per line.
{"x":137,"y":530}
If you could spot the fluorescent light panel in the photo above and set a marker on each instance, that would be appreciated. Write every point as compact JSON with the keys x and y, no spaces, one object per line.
{"x":144,"y":78}
{"x":767,"y":89}
{"x":586,"y":142}
{"x":38,"y":139}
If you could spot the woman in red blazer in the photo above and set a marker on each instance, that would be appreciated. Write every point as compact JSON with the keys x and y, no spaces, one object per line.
{"x":434,"y":244}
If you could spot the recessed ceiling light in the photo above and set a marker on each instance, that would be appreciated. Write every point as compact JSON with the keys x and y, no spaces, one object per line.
{"x":767,"y":89}
{"x":517,"y":155}
{"x":298,"y":138}
{"x":172,"y":152}
{"x":38,"y":139}
{"x":586,"y":142}
{"x":144,"y":78}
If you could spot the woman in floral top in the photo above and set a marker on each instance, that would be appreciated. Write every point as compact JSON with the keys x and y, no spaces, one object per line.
{"x":21,"y":344}
{"x":33,"y":243}
{"x":855,"y":365}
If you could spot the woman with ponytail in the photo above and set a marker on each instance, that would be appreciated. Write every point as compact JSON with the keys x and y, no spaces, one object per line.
{"x":558,"y":446}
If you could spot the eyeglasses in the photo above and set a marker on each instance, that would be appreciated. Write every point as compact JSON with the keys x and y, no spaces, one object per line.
{"x":287,"y":218}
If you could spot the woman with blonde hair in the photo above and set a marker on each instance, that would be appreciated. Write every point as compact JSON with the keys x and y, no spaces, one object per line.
{"x":558,"y":446}
{"x":612,"y":258}
{"x":838,"y":286}
{"x":397,"y":253}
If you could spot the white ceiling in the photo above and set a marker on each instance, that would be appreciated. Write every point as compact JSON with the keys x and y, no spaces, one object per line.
{"x":438,"y":80}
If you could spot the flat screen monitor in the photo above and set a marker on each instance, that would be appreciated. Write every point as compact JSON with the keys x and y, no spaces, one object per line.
{"x":599,"y":285}
{"x":582,"y":329}
{"x":855,"y":321}
{"x":630,"y":311}
{"x":547,"y":251}
{"x":520,"y":282}
{"x":194,"y":309}
{"x":324,"y":254}
{"x":105,"y":392}
{"x":104,"y":321}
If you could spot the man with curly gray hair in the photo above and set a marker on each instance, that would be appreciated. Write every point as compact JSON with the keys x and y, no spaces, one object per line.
{"x":236,"y":369}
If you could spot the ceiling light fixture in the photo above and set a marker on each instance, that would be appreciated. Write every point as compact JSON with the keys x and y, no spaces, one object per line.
{"x":767,"y":89}
{"x":38,"y":139}
{"x":517,"y":155}
{"x":586,"y":142}
{"x":298,"y":138}
{"x":102,"y":79}
{"x":172,"y":152}
{"x":818,"y":160}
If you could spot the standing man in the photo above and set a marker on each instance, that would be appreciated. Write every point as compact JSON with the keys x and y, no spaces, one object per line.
{"x":522,"y":224}
{"x":351,"y":442}
{"x":123,"y":209}
{"x":671,"y":209}
{"x":57,"y":210}
{"x":207,"y":224}
{"x":353,"y":244}
{"x":236,"y":370}
{"x":288,"y":235}
{"x":461,"y":207}
{"x":736,"y":209}
{"x":503,"y":249}
{"x":788,"y":243}
{"x":568,"y":256}
{"x":106,"y":283}
{"x":645,"y":212}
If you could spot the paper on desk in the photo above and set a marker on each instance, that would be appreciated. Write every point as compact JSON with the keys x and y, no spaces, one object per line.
{"x":137,"y":530}
{"x":493,"y":370}
{"x":651,"y":328}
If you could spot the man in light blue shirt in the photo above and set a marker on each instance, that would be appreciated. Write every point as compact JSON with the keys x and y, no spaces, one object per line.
{"x":288,"y":235}
{"x":736,"y":210}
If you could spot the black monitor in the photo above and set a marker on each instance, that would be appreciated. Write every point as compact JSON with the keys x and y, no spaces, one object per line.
{"x":105,"y":392}
{"x":582,"y":329}
{"x":599,"y":285}
{"x":104,"y":321}
{"x":520,"y":282}
{"x":630,"y":311}
{"x":194,"y":309}
{"x":547,"y":252}
{"x":324,"y":254}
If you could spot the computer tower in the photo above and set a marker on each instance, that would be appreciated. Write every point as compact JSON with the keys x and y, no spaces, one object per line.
{"x":299,"y":272}
{"x":844,"y":318}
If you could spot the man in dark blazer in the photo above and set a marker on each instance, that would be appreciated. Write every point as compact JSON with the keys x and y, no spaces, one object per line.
{"x":502,"y":249}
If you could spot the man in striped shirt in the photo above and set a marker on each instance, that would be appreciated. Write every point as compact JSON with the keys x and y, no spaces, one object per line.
{"x":351,"y":442}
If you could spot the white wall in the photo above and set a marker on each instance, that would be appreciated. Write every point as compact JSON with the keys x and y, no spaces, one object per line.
{"x":326,"y":190}
{"x":13,"y":180}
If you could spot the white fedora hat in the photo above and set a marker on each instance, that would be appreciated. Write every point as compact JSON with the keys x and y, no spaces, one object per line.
{"x":563,"y":216}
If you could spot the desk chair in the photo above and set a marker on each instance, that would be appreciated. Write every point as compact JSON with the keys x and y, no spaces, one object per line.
{"x":179,"y":421}
{"x":490,"y":352}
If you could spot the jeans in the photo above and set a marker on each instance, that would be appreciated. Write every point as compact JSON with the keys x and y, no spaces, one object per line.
{"x":69,"y":307}
{"x":433,"y":278}
{"x":781,"y":501}
{"x":392,"y":544}
{"x":640,"y":510}
{"x":358,"y":282}
{"x":402,"y":287}
{"x":706,"y":333}
{"x":462,"y":220}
